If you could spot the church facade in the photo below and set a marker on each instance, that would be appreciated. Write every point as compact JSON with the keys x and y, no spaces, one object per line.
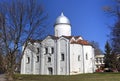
{"x":60,"y":54}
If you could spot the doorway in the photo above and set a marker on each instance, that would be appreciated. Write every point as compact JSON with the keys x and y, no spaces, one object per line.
{"x":50,"y":71}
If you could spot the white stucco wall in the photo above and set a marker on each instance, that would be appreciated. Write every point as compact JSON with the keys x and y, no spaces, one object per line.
{"x":29,"y":66}
{"x":49,"y":44}
{"x":64,"y":64}
{"x":88,"y":59}
{"x":76,"y":60}
{"x":36,"y":62}
{"x":62,"y":30}
{"x":71,"y":65}
{"x":22,"y":70}
{"x":33,"y":66}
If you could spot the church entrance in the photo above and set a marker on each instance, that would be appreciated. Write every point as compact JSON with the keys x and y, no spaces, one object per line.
{"x":50,"y":70}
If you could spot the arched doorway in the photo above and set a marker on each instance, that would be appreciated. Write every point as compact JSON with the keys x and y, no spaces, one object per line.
{"x":50,"y":70}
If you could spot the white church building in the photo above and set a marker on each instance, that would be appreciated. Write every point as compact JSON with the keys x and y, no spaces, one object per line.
{"x":60,"y":54}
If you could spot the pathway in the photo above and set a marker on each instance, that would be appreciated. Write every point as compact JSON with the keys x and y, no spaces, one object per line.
{"x":2,"y":77}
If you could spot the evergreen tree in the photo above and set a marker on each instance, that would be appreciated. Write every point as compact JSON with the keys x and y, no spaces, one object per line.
{"x":107,"y":55}
{"x":110,"y":57}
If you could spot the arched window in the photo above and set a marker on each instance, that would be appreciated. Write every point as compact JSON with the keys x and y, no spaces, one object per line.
{"x":37,"y":59}
{"x":28,"y":60}
{"x":62,"y":57}
{"x":38,"y":50}
{"x":52,"y":49}
{"x":49,"y":59}
{"x":46,"y":50}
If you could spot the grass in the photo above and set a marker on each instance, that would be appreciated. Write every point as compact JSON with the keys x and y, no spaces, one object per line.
{"x":81,"y":77}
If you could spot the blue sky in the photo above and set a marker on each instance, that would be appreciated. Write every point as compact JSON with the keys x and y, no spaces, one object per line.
{"x":86,"y":16}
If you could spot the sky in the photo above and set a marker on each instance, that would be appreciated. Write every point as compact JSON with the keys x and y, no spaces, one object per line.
{"x":86,"y":16}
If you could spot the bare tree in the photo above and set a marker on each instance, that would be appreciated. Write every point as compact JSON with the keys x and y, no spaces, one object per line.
{"x":97,"y":49}
{"x":20,"y":20}
{"x":2,"y":68}
{"x":114,"y":12}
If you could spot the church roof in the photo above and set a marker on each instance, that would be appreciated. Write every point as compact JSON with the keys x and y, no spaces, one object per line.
{"x":68,"y":37}
{"x":72,"y":39}
{"x":54,"y":37}
{"x":83,"y":42}
{"x":77,"y":40}
{"x":76,"y":37}
{"x":34,"y":40}
{"x":62,"y":20}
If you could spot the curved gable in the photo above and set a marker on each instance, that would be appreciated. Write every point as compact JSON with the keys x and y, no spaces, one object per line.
{"x":49,"y":41}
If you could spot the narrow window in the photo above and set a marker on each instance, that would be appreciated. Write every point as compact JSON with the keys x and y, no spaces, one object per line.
{"x":62,"y":57}
{"x":37,"y":59}
{"x":86,"y":56}
{"x":78,"y":57}
{"x":52,"y":50}
{"x":46,"y":50}
{"x":38,"y":50}
{"x":28,"y":60}
{"x":49,"y":59}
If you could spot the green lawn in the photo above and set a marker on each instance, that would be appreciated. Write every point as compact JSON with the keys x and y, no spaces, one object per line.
{"x":81,"y":77}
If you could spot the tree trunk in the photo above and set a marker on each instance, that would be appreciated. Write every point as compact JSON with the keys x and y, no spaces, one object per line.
{"x":10,"y":76}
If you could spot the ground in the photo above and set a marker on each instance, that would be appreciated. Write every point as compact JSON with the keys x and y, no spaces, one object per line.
{"x":2,"y":77}
{"x":81,"y":77}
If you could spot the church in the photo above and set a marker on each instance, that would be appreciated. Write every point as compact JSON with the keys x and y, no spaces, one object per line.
{"x":59,"y":54}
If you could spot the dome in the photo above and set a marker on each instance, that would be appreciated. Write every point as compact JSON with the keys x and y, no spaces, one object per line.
{"x":62,"y":20}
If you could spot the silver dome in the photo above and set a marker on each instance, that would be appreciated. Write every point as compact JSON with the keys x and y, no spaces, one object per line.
{"x":62,"y":20}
